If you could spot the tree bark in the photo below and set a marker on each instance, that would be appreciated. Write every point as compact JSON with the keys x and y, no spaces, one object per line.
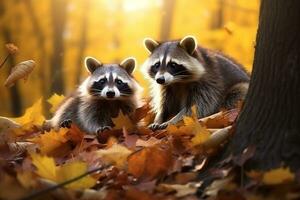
{"x":270,"y":118}
{"x":83,"y":39}
{"x":167,"y":18}
{"x":58,"y":9}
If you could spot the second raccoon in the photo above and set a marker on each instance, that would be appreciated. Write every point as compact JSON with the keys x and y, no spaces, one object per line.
{"x":184,"y":74}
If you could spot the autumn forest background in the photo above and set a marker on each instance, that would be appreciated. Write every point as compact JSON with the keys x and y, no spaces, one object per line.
{"x":58,"y":34}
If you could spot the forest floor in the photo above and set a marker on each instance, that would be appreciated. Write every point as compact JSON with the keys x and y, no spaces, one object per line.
{"x":131,"y":161}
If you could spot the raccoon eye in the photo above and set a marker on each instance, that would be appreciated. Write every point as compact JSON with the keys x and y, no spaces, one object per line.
{"x":119,"y":82}
{"x":173,"y":65}
{"x":102,"y":81}
{"x":156,"y":65}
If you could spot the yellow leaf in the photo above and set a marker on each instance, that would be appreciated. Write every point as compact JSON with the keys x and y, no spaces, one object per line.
{"x":200,"y":132}
{"x":46,"y":168}
{"x":117,"y":155}
{"x":55,"y":100}
{"x":278,"y":176}
{"x":123,"y":121}
{"x":51,"y":140}
{"x":73,"y":170}
{"x":26,"y":179}
{"x":33,"y":115}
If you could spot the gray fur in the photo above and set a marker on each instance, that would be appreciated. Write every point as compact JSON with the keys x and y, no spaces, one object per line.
{"x":212,"y":81}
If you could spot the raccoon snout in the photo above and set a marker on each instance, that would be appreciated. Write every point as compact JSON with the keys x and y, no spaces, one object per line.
{"x":160,"y":80}
{"x":110,"y":94}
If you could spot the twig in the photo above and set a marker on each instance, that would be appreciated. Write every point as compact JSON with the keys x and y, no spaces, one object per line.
{"x":4,"y":60}
{"x":49,"y":189}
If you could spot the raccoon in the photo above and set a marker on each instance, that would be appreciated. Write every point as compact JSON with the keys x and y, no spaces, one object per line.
{"x":109,"y":89}
{"x":183,"y":74}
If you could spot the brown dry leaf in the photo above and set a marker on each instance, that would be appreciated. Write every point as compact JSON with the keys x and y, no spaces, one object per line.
{"x":50,"y":141}
{"x":217,"y":185}
{"x":278,"y":176}
{"x":181,"y":190}
{"x":46,"y":168}
{"x":117,"y":155}
{"x":21,"y":70}
{"x":217,"y":138}
{"x":147,"y":143}
{"x":11,"y":48}
{"x":140,"y":113}
{"x":150,"y":162}
{"x":221,"y":119}
{"x":55,"y":100}
{"x":123,"y":121}
{"x":7,"y":124}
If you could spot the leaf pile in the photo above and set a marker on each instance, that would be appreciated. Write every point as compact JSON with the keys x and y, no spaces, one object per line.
{"x":131,"y":161}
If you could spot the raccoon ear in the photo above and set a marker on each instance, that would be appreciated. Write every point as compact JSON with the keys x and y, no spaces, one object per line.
{"x":150,"y":44}
{"x":91,"y":64}
{"x":129,"y":64}
{"x":189,"y":43}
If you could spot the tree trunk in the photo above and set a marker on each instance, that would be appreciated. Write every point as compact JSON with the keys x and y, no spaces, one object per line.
{"x":58,"y":9}
{"x":14,"y":92}
{"x":167,"y":18}
{"x":83,"y":40}
{"x":270,"y":118}
{"x":41,"y":46}
{"x":218,"y":19}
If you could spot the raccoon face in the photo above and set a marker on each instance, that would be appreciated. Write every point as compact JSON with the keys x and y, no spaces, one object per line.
{"x":173,"y":61}
{"x":110,"y":81}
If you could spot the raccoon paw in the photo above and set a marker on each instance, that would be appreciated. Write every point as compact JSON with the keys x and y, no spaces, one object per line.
{"x":156,"y":126}
{"x":103,"y":128}
{"x":66,"y":123}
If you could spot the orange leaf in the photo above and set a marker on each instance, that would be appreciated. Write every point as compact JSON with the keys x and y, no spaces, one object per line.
{"x":123,"y":121}
{"x":278,"y":176}
{"x":150,"y":162}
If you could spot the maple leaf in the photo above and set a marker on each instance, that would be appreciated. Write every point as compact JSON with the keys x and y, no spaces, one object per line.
{"x":51,"y":140}
{"x":46,"y":168}
{"x":117,"y":154}
{"x":32,"y":116}
{"x":278,"y":176}
{"x":55,"y":100}
{"x":150,"y":162}
{"x":122,"y":121}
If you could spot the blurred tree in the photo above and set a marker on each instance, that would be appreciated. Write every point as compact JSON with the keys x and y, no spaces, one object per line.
{"x":167,"y":18}
{"x":269,"y":119}
{"x":14,"y":92}
{"x":41,"y":44}
{"x":58,"y":15}
{"x":218,"y":20}
{"x":83,"y":39}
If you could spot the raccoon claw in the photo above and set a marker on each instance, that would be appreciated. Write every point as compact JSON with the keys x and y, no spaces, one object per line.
{"x":103,"y":128}
{"x":156,"y":126}
{"x":66,"y":123}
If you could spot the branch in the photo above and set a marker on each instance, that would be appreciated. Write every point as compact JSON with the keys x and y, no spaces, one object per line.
{"x":49,"y":189}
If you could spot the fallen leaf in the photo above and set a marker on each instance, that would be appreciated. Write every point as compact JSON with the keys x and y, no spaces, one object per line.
{"x":49,"y":141}
{"x":182,"y":190}
{"x":7,"y":124}
{"x":46,"y":168}
{"x":278,"y":176}
{"x":55,"y":101}
{"x":123,"y":121}
{"x":217,"y":138}
{"x":27,"y":179}
{"x":150,"y":162}
{"x":147,"y":143}
{"x":32,"y":116}
{"x":21,"y":70}
{"x":117,"y":155}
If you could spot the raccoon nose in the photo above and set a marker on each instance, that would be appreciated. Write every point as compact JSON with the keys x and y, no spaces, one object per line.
{"x":110,"y":94}
{"x":161,"y":80}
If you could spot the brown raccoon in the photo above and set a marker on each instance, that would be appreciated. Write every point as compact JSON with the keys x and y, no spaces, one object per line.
{"x":109,"y":89}
{"x":183,"y":74}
